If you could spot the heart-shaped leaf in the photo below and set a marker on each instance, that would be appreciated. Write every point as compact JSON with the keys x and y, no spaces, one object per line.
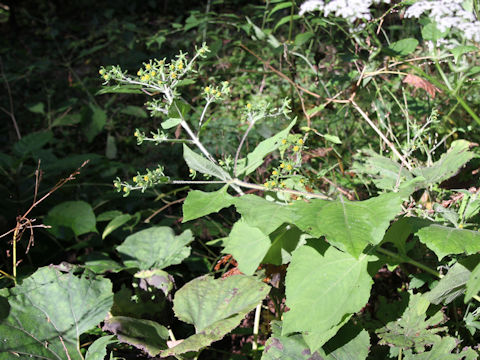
{"x":49,"y":311}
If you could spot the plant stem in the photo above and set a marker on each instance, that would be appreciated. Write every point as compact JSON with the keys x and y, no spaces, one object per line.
{"x":14,"y":254}
{"x":237,"y":154}
{"x":256,"y":326}
{"x":406,"y":259}
{"x":288,"y":191}
{"x":383,"y":137}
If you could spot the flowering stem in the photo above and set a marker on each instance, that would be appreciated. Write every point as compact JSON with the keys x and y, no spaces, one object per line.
{"x":209,"y":101}
{"x":237,"y":154}
{"x":287,"y":191}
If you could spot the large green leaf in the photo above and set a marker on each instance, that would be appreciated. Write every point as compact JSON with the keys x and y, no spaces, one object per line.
{"x":401,"y":229}
{"x":263,"y":214}
{"x":98,"y":350}
{"x":403,"y":47}
{"x":413,"y":330}
{"x":293,"y":347}
{"x":97,"y":119}
{"x":443,"y":350}
{"x":75,"y":215}
{"x":323,"y":289}
{"x":115,"y":224}
{"x":254,"y":159}
{"x":384,"y":172}
{"x":145,"y":335}
{"x":155,"y":247}
{"x":350,"y":225}
{"x":448,"y":165}
{"x":203,"y":165}
{"x":450,"y":286}
{"x":443,"y":240}
{"x":199,"y":203}
{"x":473,"y":284}
{"x":248,"y":245}
{"x":49,"y":311}
{"x":214,"y":307}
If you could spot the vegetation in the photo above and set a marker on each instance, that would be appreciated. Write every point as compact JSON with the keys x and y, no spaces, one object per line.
{"x":240,"y":180}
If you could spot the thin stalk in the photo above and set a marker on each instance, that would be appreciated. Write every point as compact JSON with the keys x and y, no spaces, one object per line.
{"x":14,"y":254}
{"x":203,"y":115}
{"x":382,"y":136}
{"x":287,"y":191}
{"x":406,"y":259}
{"x":256,"y":326}
{"x":290,"y":28}
{"x":244,"y":137}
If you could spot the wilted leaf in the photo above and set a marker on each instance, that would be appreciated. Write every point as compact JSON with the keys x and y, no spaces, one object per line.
{"x":419,"y":83}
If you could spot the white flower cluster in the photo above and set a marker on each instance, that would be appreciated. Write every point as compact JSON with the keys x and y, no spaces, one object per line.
{"x":347,"y":9}
{"x":448,"y":14}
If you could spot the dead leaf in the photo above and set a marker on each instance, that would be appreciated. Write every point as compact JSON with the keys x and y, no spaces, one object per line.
{"x":419,"y":83}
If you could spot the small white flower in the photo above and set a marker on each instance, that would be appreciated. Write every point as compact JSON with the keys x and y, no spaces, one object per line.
{"x":447,"y":14}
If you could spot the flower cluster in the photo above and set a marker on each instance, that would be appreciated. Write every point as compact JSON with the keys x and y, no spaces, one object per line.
{"x":448,"y":14}
{"x":214,"y":92}
{"x":283,"y":175}
{"x":347,"y":9}
{"x":142,"y":181}
{"x":157,"y":76}
{"x":157,"y":137}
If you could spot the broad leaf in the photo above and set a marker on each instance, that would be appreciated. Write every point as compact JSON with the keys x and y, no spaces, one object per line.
{"x":443,"y":240}
{"x":98,"y":350}
{"x":292,"y":347}
{"x":213,"y":316}
{"x":403,"y":47}
{"x":203,"y":165}
{"x":412,"y":330}
{"x":155,"y":247}
{"x":199,"y":203}
{"x":115,"y":224}
{"x":448,"y":164}
{"x":263,"y":214}
{"x":450,"y":286}
{"x":401,"y":229}
{"x":353,"y":346}
{"x":248,"y":245}
{"x":255,"y":158}
{"x":75,"y":215}
{"x":97,"y":119}
{"x":443,"y":350}
{"x":323,"y":289}
{"x":384,"y":172}
{"x":49,"y":311}
{"x":170,"y":123}
{"x":350,"y":225}
{"x":473,"y":284}
{"x":145,"y":335}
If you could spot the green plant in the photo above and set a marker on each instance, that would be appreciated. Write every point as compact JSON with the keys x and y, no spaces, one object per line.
{"x":393,"y":274}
